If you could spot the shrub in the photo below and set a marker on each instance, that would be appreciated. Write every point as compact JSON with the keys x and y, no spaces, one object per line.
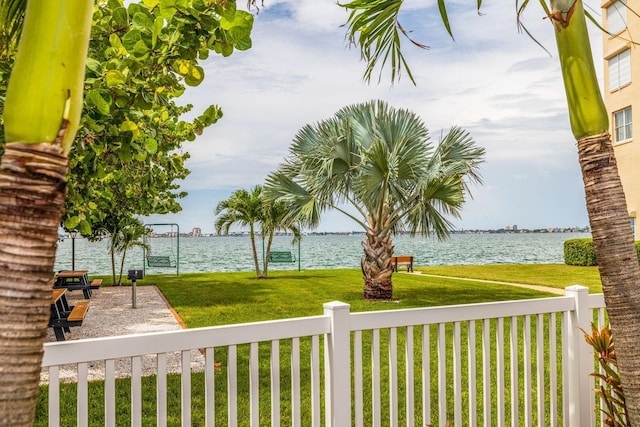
{"x":580,"y":252}
{"x":614,"y":407}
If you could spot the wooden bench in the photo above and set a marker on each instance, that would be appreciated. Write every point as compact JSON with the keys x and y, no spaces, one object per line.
{"x":95,"y":284}
{"x":281,"y":256}
{"x":63,"y":316}
{"x":402,"y":260}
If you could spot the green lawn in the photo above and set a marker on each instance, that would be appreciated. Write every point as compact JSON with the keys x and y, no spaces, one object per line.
{"x":552,"y":275}
{"x":208,"y":299}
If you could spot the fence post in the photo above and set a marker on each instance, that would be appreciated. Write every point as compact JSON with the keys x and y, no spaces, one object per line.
{"x":337,"y":359}
{"x":580,"y":363}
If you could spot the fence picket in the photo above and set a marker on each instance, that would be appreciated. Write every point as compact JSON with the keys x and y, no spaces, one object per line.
{"x":409,"y":376}
{"x":210,"y":387}
{"x":471,"y":361}
{"x":136,"y":391}
{"x":500,"y":392}
{"x":295,"y":382}
{"x":513,"y":357}
{"x":357,"y":379}
{"x":393,"y":377}
{"x":275,"y":383}
{"x":254,"y":385}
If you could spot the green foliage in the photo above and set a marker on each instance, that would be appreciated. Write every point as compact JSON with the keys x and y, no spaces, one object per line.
{"x":250,"y":209}
{"x":127,"y":156}
{"x":381,"y":161}
{"x":580,"y":252}
{"x":610,"y":390}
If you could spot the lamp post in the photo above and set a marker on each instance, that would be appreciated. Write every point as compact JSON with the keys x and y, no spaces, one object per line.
{"x":73,"y":234}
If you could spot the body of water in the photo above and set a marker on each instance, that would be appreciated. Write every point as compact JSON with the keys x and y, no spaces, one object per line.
{"x":233,"y":253}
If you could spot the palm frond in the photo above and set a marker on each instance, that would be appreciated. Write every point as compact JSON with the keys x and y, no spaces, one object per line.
{"x":11,"y":16}
{"x":374,"y":27}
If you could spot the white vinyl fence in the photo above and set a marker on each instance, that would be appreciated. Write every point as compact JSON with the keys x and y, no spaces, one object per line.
{"x":514,"y":363}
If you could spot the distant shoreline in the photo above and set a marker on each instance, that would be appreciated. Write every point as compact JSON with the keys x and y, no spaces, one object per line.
{"x":552,"y":230}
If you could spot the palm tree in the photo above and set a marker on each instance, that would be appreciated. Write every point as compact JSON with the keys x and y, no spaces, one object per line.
{"x":41,"y":115}
{"x":380,"y":161}
{"x":245,"y":209}
{"x":127,"y":235}
{"x":248,"y":208}
{"x":276,"y":218}
{"x":374,"y":26}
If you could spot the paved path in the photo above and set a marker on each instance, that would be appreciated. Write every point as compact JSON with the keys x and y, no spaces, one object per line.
{"x":111,"y":314}
{"x":520,"y":285}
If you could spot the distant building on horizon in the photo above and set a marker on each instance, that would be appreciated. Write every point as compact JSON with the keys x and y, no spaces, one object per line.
{"x":621,"y":68}
{"x":511,"y":227}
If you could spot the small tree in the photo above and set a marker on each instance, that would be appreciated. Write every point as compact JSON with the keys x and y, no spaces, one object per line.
{"x":243,"y":208}
{"x":380,"y":161}
{"x":250,"y":209}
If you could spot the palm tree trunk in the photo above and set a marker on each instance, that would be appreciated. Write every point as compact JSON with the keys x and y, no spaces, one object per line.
{"x":617,"y":259}
{"x":112,"y":250}
{"x":266,"y":257}
{"x":252,"y":232}
{"x":124,"y":256}
{"x":606,"y":203}
{"x":376,"y":266}
{"x":32,"y":192}
{"x":42,"y":112}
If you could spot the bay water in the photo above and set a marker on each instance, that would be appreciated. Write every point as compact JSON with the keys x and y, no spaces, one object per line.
{"x":233,"y":253}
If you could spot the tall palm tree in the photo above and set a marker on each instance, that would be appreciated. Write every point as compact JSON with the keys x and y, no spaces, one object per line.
{"x":41,"y":114}
{"x":243,"y":208}
{"x":380,"y":161}
{"x":374,"y":26}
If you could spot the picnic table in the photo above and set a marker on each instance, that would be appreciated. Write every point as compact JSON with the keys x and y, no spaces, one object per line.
{"x":64,"y":316}
{"x":74,"y":280}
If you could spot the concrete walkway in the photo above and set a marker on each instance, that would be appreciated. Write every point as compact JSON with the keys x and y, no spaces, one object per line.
{"x":520,"y":285}
{"x":111,"y":314}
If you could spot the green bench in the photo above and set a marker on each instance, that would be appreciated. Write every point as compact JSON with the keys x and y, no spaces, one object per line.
{"x":159,"y":261}
{"x":281,"y":256}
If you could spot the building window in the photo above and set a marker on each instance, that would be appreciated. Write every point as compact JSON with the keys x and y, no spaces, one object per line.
{"x":633,"y":227}
{"x":622,"y":125}
{"x":620,"y":70}
{"x":617,"y":17}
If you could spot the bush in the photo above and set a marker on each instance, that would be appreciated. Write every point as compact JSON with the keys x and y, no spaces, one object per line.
{"x":613,"y":405}
{"x":580,"y":252}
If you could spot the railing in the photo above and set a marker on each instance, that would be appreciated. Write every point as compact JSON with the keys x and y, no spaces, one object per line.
{"x":504,"y":363}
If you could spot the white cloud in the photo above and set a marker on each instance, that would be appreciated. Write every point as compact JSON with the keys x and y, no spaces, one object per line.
{"x":496,"y":83}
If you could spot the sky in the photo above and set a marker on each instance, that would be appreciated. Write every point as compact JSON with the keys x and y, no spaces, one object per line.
{"x":491,"y":80}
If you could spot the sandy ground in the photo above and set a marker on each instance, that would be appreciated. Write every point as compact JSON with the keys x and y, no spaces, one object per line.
{"x":111,"y":314}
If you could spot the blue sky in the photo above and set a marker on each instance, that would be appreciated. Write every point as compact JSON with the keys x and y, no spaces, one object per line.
{"x":491,"y":80}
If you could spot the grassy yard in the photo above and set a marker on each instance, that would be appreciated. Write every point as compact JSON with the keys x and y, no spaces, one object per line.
{"x":552,"y":275}
{"x":209,"y":299}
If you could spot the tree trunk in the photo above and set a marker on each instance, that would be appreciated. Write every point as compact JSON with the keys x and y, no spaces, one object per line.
{"x":252,"y":233}
{"x":268,"y":252}
{"x":113,"y":263}
{"x":376,"y":266}
{"x":617,"y":259}
{"x":32,"y":192}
